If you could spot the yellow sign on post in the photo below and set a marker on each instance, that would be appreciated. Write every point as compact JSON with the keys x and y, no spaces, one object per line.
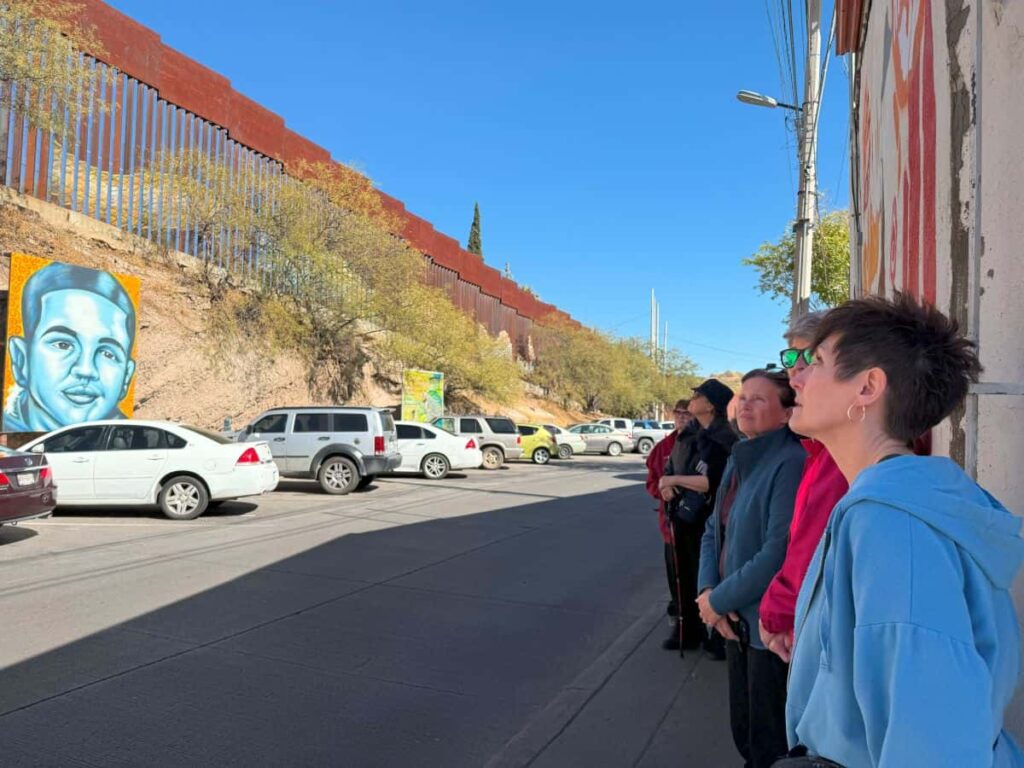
{"x":422,"y":395}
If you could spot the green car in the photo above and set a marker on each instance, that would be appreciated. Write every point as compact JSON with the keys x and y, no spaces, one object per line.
{"x":538,"y":444}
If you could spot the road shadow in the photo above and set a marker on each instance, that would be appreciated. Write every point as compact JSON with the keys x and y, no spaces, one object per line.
{"x":234,"y":508}
{"x":431,"y":643}
{"x":12,"y":534}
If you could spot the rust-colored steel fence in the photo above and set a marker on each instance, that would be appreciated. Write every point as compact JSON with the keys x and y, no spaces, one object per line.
{"x":114,"y":165}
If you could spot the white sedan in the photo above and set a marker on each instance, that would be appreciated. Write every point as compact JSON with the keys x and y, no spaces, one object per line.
{"x":569,"y":443}
{"x":433,"y":451}
{"x":133,"y":463}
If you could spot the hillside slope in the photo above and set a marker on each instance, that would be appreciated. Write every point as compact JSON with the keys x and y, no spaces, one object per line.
{"x":186,"y":370}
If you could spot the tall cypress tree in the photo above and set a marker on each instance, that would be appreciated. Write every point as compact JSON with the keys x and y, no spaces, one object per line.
{"x":474,"y":245}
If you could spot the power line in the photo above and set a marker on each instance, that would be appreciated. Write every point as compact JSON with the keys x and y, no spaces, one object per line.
{"x":792,"y":50}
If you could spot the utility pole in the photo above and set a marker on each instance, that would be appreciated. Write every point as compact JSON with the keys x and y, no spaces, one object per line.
{"x":664,"y":350}
{"x":807,"y":199}
{"x":652,"y":324}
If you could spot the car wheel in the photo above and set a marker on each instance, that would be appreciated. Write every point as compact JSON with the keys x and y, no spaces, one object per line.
{"x":565,"y":451}
{"x":541,"y":456}
{"x":365,"y":481}
{"x":183,"y":498}
{"x":645,"y":446}
{"x":614,"y":449}
{"x":338,"y":475}
{"x":493,"y":457}
{"x":435,"y":467}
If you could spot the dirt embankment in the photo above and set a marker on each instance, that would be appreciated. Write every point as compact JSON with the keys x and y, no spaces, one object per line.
{"x":186,"y":370}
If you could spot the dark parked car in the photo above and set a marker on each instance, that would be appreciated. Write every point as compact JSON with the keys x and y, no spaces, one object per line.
{"x":26,"y":486}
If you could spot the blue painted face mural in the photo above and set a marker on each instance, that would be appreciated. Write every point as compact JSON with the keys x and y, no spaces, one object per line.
{"x":73,"y":361}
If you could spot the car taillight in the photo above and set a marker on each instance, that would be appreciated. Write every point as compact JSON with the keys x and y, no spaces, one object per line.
{"x":4,"y":482}
{"x":471,"y":443}
{"x":519,"y":439}
{"x":44,"y":475}
{"x":378,"y":444}
{"x":249,"y":456}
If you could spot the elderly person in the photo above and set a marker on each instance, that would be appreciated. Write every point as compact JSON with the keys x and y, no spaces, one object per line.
{"x":907,"y":644}
{"x":743,"y":546}
{"x":656,"y":461}
{"x":821,"y":487}
{"x":689,"y":488}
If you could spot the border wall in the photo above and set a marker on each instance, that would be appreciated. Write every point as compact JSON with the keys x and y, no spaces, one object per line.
{"x":159,"y":101}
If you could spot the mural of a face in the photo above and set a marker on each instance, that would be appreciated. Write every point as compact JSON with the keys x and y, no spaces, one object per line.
{"x":74,"y":362}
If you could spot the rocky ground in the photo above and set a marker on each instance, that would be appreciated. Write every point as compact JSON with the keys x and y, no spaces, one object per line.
{"x":187,"y":371}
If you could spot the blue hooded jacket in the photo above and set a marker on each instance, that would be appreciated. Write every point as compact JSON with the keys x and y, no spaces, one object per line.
{"x":907,"y":644}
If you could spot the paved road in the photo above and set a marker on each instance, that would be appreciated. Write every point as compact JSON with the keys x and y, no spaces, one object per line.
{"x":487,"y":617}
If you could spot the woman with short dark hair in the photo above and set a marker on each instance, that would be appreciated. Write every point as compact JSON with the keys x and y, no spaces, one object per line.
{"x":907,"y":646}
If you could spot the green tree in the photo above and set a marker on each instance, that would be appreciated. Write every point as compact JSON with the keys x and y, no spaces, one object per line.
{"x":830,"y":268}
{"x":40,"y":45}
{"x":474,"y":245}
{"x":582,"y":367}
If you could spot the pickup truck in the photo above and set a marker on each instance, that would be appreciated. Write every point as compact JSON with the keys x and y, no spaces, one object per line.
{"x":647,"y":434}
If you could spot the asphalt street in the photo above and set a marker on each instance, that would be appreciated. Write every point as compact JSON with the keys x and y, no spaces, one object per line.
{"x":493,"y":618}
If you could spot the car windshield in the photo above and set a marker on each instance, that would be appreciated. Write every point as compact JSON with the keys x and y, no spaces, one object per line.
{"x":217,"y":438}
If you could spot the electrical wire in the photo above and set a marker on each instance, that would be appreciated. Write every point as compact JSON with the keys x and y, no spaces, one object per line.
{"x":791,"y":44}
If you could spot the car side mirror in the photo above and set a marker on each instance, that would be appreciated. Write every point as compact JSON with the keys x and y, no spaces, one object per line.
{"x":38,"y":448}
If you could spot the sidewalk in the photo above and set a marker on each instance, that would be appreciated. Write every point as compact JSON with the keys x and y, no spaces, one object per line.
{"x":637,"y":705}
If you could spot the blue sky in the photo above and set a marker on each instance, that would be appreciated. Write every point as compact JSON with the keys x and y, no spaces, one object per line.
{"x":602,"y":140}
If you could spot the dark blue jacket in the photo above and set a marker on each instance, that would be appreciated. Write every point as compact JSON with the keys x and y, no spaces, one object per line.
{"x":769,"y":468}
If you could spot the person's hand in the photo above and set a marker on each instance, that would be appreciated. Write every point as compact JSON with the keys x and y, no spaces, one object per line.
{"x":664,"y":482}
{"x":707,"y":614}
{"x":724,"y":628}
{"x":779,"y":643}
{"x":668,"y":493}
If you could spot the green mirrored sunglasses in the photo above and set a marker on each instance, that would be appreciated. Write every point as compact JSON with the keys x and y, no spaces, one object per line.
{"x":790,"y":357}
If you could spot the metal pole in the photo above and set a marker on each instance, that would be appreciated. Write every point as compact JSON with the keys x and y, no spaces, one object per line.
{"x":652,"y":323}
{"x":808,"y":150}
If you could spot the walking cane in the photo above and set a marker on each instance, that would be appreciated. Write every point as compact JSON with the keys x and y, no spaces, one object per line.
{"x":679,"y":586}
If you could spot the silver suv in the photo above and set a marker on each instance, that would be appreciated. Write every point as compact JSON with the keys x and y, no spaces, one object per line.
{"x":497,"y":437}
{"x":342,"y":448}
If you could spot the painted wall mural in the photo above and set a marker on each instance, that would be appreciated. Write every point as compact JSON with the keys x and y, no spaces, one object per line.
{"x":71,"y":338}
{"x":422,"y":395}
{"x":898,"y":151}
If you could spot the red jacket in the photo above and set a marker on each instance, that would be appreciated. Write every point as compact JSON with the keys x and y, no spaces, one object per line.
{"x":656,"y":461}
{"x":821,"y":487}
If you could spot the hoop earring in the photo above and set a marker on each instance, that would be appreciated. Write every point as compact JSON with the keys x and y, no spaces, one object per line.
{"x":863,"y":413}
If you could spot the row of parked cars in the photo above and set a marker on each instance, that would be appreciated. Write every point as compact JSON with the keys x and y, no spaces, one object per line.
{"x":186,"y":470}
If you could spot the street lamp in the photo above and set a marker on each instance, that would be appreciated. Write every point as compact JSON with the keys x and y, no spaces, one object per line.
{"x":807,"y":154}
{"x":760,"y":100}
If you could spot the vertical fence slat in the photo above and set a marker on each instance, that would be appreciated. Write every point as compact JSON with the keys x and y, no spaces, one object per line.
{"x":101,"y":140}
{"x":16,"y":123}
{"x":153,"y":111}
{"x":112,"y":130}
{"x":87,"y":153}
{"x":161,"y":159}
{"x":29,"y":144}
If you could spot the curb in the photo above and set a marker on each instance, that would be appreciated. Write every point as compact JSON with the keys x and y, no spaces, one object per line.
{"x":544,"y":727}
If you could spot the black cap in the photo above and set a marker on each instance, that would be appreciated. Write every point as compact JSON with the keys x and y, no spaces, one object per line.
{"x":716,"y":392}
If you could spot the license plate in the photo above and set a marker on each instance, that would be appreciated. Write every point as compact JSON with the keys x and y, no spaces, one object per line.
{"x":26,"y":478}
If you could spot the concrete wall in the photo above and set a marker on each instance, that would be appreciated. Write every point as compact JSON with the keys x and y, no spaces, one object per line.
{"x":938,"y":176}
